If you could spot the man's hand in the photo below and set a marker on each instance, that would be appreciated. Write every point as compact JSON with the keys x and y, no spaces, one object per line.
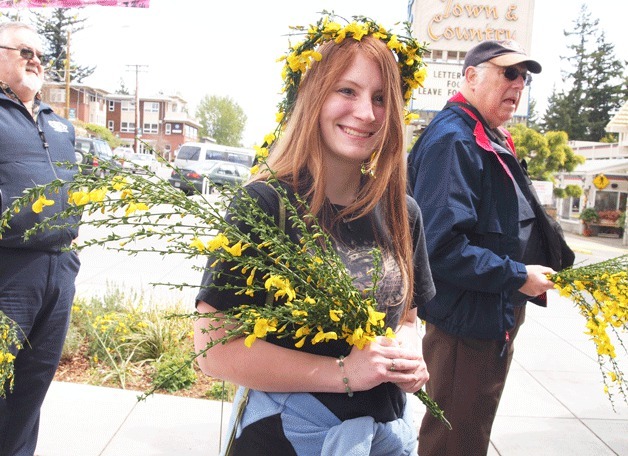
{"x":537,"y":282}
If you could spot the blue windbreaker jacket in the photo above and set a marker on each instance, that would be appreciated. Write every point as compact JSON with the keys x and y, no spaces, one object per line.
{"x":25,"y":162}
{"x":471,"y":216}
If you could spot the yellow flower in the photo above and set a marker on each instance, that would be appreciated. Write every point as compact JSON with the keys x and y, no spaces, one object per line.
{"x":133,"y":207}
{"x":300,"y":343}
{"x":79,"y":198}
{"x":394,"y":44}
{"x":330,"y":28}
{"x":376,"y":318}
{"x":322,"y":336}
{"x":197,"y":244}
{"x":299,"y":313}
{"x":97,"y":195}
{"x":261,"y":152}
{"x":119,"y":183}
{"x":263,"y":326}
{"x":251,"y":277}
{"x":357,"y":31}
{"x":219,"y":241}
{"x":335,"y":315}
{"x":270,"y":138}
{"x":236,"y":249}
{"x":282,"y":285}
{"x":302,"y":331}
{"x":38,"y":206}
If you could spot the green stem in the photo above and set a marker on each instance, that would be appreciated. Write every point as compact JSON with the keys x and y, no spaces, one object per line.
{"x":433,"y":407}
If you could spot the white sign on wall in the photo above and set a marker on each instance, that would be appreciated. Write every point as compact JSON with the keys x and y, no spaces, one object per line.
{"x":458,"y":25}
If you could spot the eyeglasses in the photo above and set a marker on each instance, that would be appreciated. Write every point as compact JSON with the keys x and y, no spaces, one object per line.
{"x":26,"y":53}
{"x":512,"y":73}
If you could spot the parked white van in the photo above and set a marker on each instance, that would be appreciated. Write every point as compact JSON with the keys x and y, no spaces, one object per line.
{"x":191,"y":154}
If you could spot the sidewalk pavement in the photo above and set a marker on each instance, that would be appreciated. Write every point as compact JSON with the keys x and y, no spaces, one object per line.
{"x":553,"y":403}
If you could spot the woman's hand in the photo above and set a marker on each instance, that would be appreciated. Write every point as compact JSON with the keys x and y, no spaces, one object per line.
{"x":385,"y":360}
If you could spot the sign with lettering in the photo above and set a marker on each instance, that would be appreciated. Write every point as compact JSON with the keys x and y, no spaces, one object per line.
{"x":451,"y":28}
{"x":458,"y":25}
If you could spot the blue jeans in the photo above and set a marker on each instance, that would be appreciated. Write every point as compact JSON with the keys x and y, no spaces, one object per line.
{"x":36,"y":291}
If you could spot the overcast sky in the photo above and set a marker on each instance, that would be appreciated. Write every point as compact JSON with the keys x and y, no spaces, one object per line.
{"x":229,"y":48}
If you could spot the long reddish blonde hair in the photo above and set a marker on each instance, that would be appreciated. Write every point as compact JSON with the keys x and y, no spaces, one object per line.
{"x":298,"y":156}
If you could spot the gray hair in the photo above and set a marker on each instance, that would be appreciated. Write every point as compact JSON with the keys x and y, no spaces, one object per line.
{"x":8,"y":26}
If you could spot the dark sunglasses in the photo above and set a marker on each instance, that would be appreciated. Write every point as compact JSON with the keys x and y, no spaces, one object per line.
{"x":511,"y":73}
{"x":26,"y":53}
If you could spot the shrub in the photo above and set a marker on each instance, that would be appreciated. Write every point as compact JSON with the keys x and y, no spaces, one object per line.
{"x":575,"y":191}
{"x":589,"y":215}
{"x":159,"y":333}
{"x":121,"y":339}
{"x":173,"y":372}
{"x":221,"y":391}
{"x":559,"y":193}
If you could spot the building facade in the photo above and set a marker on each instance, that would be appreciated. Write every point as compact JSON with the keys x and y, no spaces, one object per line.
{"x":603,"y":179}
{"x":159,"y":123}
{"x":86,"y":104}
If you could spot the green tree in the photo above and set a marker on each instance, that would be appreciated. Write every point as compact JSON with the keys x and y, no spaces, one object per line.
{"x":100,"y":132}
{"x":54,"y":24}
{"x":596,"y":84}
{"x":221,"y":118}
{"x":122,"y":90}
{"x":533,"y":117}
{"x":546,"y":153}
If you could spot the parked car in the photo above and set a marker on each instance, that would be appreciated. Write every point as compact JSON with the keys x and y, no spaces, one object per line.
{"x":202,"y":178}
{"x":192,"y":154}
{"x":123,"y":151}
{"x":94,"y":152}
{"x":140,"y":163}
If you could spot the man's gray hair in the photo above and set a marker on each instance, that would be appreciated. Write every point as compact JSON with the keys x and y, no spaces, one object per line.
{"x":6,"y":26}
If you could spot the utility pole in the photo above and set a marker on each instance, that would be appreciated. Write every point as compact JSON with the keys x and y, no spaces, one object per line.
{"x":67,"y":78}
{"x":138,"y":130}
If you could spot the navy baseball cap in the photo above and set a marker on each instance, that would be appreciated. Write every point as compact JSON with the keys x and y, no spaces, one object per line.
{"x":502,"y":53}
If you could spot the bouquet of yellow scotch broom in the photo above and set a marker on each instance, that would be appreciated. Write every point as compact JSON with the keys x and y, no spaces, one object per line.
{"x":320,"y":300}
{"x":600,"y":292}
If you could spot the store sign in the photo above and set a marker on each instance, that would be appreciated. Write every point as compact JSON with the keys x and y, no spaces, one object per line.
{"x":459,"y":25}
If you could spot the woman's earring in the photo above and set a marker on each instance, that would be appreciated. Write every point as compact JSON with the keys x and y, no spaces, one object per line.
{"x":368,"y":168}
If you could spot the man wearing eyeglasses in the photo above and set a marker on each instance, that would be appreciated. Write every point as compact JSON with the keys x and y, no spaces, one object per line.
{"x":490,"y":246}
{"x":36,"y":275}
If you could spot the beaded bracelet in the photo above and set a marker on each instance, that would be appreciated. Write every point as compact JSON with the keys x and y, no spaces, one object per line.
{"x":345,"y":380}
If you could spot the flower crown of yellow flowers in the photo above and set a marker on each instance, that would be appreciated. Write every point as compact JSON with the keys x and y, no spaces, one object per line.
{"x":300,"y":56}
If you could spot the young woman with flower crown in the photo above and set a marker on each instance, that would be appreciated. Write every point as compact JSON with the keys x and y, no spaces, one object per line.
{"x":342,"y":151}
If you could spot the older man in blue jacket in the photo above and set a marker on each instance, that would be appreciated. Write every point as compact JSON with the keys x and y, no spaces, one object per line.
{"x":36,"y":276}
{"x":487,"y":246}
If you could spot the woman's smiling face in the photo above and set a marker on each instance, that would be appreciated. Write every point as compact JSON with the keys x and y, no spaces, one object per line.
{"x":353,"y":114}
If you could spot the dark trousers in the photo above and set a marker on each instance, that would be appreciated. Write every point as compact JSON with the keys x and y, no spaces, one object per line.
{"x":467,"y":378}
{"x":36,"y":290}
